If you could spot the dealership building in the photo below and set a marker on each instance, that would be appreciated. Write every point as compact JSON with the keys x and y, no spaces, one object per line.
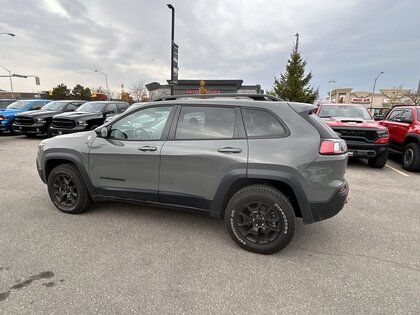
{"x":157,"y":90}
{"x":381,"y":100}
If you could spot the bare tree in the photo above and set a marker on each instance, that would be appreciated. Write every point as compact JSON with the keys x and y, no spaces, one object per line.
{"x":139,"y":92}
{"x":396,"y":96}
{"x":414,"y":96}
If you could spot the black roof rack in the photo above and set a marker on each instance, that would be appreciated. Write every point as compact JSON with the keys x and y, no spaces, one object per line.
{"x":255,"y":97}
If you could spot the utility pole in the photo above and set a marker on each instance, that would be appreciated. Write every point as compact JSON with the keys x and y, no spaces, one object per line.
{"x":170,"y":6}
{"x":373,"y":92}
{"x":297,"y":42}
{"x":10,"y":79}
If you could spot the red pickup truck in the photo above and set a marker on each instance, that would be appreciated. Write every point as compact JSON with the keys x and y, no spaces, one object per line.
{"x":365,"y":137}
{"x":403,"y":123}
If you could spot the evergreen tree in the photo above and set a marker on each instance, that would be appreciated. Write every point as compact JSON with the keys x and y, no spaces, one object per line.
{"x":293,"y":85}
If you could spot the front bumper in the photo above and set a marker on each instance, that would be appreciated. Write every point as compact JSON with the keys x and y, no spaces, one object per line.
{"x":5,"y":125}
{"x":324,"y":210}
{"x":365,"y":150}
{"x":30,"y":129}
{"x":62,"y":131}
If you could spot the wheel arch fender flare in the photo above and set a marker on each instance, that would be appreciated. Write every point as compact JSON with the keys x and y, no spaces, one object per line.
{"x":53,"y":159}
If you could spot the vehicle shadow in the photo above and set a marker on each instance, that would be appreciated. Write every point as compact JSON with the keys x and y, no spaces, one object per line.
{"x":306,"y":236}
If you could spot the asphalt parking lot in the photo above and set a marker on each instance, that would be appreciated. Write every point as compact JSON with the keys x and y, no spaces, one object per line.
{"x":120,"y":258}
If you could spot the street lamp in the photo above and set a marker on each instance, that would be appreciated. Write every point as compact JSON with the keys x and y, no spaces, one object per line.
{"x":10,"y":78}
{"x":10,"y":34}
{"x":373,"y":92}
{"x":331,"y":82}
{"x":106,"y":79}
{"x":170,"y":6}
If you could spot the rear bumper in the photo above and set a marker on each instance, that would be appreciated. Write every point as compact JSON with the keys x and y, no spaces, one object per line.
{"x":365,"y":150}
{"x":324,"y":210}
{"x":5,"y":125}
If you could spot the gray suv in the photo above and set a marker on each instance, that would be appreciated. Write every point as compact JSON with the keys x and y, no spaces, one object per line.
{"x":257,"y":161}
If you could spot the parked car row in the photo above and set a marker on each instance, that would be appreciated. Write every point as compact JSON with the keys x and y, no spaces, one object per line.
{"x":398,"y":132}
{"x":34,"y":117}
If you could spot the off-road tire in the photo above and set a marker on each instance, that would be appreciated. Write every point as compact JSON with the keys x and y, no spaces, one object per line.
{"x":72,"y":175}
{"x":378,"y":161}
{"x":278,"y":207}
{"x":411,"y":164}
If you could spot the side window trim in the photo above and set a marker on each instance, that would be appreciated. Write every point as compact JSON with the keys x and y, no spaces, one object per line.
{"x":286,"y":129}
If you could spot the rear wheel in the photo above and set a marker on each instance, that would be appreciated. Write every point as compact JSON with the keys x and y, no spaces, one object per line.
{"x":260,"y":219}
{"x":410,"y":160}
{"x":67,"y":189}
{"x":378,"y":161}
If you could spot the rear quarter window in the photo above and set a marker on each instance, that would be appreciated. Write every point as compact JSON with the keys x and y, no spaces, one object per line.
{"x":262,"y":124}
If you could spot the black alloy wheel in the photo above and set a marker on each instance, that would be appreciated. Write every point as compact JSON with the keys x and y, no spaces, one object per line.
{"x":65,"y":190}
{"x":259,"y":223}
{"x":260,"y":219}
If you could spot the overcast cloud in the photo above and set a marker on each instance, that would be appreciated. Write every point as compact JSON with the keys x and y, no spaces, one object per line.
{"x":351,"y":41}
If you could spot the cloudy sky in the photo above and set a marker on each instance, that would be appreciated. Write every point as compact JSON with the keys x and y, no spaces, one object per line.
{"x":350,"y":41}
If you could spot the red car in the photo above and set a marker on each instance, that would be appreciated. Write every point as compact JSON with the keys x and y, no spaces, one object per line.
{"x":365,"y":137}
{"x":403,"y":123}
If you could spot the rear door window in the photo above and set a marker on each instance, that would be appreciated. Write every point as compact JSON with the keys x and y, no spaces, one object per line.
{"x":206,"y":123}
{"x":262,"y":124}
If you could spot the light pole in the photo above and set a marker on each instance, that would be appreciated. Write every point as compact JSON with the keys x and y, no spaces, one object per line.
{"x":373,"y":92}
{"x":106,"y":79}
{"x":10,"y":78}
{"x":10,"y":34}
{"x":331,"y":82}
{"x":170,"y":6}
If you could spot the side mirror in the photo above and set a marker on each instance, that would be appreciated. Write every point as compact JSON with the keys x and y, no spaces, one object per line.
{"x":108,"y":112}
{"x":403,"y":120}
{"x":103,"y":131}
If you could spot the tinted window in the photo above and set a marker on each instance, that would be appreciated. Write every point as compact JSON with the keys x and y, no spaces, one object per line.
{"x":260,"y":123}
{"x":206,"y":123}
{"x":418,"y":114}
{"x":72,"y":107}
{"x":37,"y":104}
{"x":4,"y":104}
{"x":111,"y":108}
{"x":407,"y":115}
{"x":121,"y":107}
{"x":147,"y":124}
{"x":394,"y":113}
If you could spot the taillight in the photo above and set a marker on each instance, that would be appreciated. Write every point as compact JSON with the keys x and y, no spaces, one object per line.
{"x":3,"y":118}
{"x":383,"y":136}
{"x":333,"y":147}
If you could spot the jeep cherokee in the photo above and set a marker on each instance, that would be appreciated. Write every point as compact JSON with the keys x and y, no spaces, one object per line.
{"x":257,"y":161}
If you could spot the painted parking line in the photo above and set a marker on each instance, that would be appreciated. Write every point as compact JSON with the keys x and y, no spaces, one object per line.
{"x":398,"y":171}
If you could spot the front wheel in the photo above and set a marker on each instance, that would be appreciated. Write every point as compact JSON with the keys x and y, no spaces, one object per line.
{"x":411,"y":157}
{"x":260,"y":219}
{"x":378,"y":161}
{"x":67,"y":189}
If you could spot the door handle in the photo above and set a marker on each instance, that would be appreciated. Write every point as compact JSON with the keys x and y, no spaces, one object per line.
{"x":229,"y":150}
{"x":147,"y":148}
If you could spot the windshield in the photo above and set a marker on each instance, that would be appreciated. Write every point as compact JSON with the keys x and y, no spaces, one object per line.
{"x":92,"y":107}
{"x":351,"y":111}
{"x":54,"y":106}
{"x":18,"y":105}
{"x":3,"y":104}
